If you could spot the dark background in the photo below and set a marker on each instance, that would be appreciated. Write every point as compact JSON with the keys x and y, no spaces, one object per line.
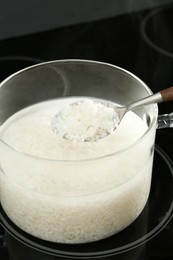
{"x":20,"y":17}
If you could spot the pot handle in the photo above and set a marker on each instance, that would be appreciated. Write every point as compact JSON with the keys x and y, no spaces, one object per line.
{"x":165,"y":121}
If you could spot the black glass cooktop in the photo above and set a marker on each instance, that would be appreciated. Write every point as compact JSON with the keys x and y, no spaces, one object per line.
{"x":141,"y":42}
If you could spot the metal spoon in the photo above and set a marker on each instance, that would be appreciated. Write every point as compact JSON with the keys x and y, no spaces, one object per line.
{"x":162,"y":96}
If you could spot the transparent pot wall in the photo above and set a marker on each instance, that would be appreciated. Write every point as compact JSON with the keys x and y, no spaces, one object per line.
{"x":30,"y":187}
{"x":68,"y":78}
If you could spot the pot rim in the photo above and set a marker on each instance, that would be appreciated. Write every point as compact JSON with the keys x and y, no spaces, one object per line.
{"x":151,"y":126}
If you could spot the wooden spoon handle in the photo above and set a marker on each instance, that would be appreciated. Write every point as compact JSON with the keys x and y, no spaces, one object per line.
{"x":167,"y":94}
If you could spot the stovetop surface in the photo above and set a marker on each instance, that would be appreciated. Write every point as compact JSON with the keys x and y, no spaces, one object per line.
{"x":124,"y":41}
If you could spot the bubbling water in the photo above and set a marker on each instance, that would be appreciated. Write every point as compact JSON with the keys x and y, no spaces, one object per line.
{"x":72,"y":192}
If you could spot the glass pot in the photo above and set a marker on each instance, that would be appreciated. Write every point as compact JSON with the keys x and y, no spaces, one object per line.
{"x":85,"y":214}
